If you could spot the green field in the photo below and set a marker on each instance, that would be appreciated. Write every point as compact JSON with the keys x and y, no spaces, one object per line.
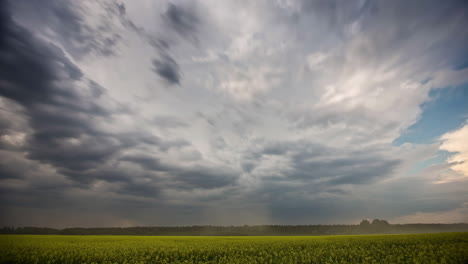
{"x":421,"y":248}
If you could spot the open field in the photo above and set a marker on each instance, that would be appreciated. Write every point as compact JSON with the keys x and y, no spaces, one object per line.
{"x":421,"y":248}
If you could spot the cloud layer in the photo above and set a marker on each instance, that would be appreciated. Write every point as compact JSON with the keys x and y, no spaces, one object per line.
{"x":167,"y":113}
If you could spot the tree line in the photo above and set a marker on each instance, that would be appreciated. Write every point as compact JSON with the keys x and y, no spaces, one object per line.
{"x":365,"y":227}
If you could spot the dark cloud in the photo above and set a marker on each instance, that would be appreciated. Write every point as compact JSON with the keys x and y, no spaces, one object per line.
{"x":182,"y":20}
{"x":205,"y":177}
{"x":39,"y":77}
{"x":143,"y":190}
{"x":309,"y":162}
{"x":188,"y":177}
{"x":64,"y":21}
{"x":167,"y":68}
{"x":354,"y":168}
{"x":147,"y":162}
{"x":313,"y":184}
{"x":11,"y":168}
{"x":62,"y":106}
{"x":122,"y":9}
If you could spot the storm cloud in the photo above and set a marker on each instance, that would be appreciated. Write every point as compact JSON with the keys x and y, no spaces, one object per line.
{"x":66,"y":22}
{"x":168,"y":113}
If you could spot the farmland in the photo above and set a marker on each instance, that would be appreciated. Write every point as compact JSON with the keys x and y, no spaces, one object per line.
{"x":420,"y":248}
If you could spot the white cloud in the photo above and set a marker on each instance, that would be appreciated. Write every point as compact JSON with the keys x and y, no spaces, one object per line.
{"x":245,"y":85}
{"x":315,"y":60}
{"x":457,"y":142}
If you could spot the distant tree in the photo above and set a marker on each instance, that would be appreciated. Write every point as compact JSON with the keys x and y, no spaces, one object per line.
{"x":364,"y":223}
{"x":380,"y":223}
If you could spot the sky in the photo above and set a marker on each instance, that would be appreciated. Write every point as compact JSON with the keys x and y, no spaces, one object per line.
{"x":156,"y":112}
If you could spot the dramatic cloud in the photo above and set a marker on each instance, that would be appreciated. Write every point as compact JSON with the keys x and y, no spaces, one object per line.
{"x":60,"y":103}
{"x":232,"y":112}
{"x":66,"y":22}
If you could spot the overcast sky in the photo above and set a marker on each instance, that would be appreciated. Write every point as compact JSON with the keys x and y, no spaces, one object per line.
{"x":145,"y":112}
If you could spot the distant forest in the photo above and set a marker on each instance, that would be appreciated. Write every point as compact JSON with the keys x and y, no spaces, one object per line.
{"x":365,"y":227}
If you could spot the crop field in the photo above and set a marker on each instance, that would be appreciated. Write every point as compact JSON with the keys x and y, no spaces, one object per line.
{"x":421,"y":248}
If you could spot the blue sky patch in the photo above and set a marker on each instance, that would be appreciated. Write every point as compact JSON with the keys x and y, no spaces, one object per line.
{"x":446,"y":111}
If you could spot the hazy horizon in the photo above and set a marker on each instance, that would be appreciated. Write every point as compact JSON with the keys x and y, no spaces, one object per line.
{"x":240,"y":225}
{"x":181,"y":113}
{"x":226,"y":226}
